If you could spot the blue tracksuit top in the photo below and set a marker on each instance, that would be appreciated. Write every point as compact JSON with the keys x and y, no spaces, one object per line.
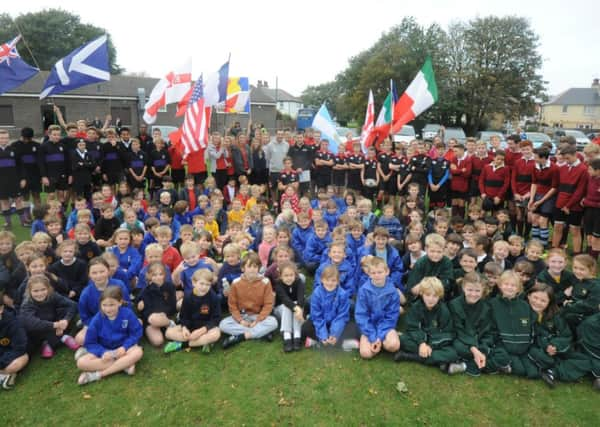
{"x":329,"y":311}
{"x":393,"y":226}
{"x":188,"y":272}
{"x":394,"y":262}
{"x":377,"y":310}
{"x":331,"y":219}
{"x":348,"y":275}
{"x":130,"y":261}
{"x":300,"y":238}
{"x":141,"y":283}
{"x":354,"y":245}
{"x":315,"y":247}
{"x":89,"y":301}
{"x":105,"y":335}
{"x":38,"y":225}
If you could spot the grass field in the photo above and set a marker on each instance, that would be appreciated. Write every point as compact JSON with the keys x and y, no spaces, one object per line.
{"x":255,"y":383}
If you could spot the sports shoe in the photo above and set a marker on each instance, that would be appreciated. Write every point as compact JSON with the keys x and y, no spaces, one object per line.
{"x":88,"y":377}
{"x":173,"y":346}
{"x":47,"y":352}
{"x":505,"y":369}
{"x":596,"y":384}
{"x":207,"y":348}
{"x":70,"y":342}
{"x":350,"y":345}
{"x":8,"y":381}
{"x":548,"y":377}
{"x":297,"y":344}
{"x":130,"y":371}
{"x":310,"y":343}
{"x":232,"y":340}
{"x":444,"y":367}
{"x":268,"y":337}
{"x":402,"y":356}
{"x":457,"y":368}
{"x":288,"y":346}
{"x":81,"y":351}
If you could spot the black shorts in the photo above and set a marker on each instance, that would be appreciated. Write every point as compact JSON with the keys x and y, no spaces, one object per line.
{"x":440,"y":196}
{"x":339,"y":178}
{"x":200,"y":177}
{"x":34,"y":185}
{"x":591,"y":221}
{"x":9,"y":187}
{"x":457,"y":194}
{"x":323,"y":180}
{"x":57,"y":183}
{"x":274,"y":179}
{"x":114,"y":178}
{"x":178,"y":175}
{"x":474,"y":189}
{"x":574,"y":218}
{"x":546,"y":209}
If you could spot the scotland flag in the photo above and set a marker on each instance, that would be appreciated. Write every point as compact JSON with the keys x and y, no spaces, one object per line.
{"x":85,"y":65}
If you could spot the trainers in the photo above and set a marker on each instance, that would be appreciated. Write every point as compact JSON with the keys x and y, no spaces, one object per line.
{"x":268,"y":337}
{"x":70,"y":342}
{"x":8,"y":381}
{"x":288,"y":346}
{"x":548,"y":377}
{"x":47,"y":352}
{"x":88,"y":377}
{"x":172,"y":346}
{"x":444,"y":367}
{"x":81,"y":351}
{"x":596,"y":384}
{"x":297,"y":344}
{"x":310,"y":343}
{"x":457,"y":368}
{"x":207,"y":348}
{"x":505,"y":369}
{"x":350,"y":345}
{"x":402,"y":356}
{"x":232,"y":340}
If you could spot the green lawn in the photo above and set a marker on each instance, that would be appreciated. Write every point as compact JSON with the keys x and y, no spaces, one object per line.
{"x":255,"y":383}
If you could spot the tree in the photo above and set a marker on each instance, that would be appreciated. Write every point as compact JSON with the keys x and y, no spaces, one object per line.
{"x":51,"y":34}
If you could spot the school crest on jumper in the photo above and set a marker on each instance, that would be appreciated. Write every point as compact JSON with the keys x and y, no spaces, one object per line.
{"x":34,"y":149}
{"x":124,"y":324}
{"x":4,"y":342}
{"x":434,"y":323}
{"x":204,"y":309}
{"x":584,"y":291}
{"x":524,"y":321}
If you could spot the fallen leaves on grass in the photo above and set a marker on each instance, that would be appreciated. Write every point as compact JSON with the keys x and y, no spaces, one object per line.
{"x":401,"y":387}
{"x":372,"y":392}
{"x":284,"y":402}
{"x":87,"y":396}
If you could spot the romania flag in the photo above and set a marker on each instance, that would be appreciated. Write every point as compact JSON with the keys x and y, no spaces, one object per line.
{"x":238,"y":95}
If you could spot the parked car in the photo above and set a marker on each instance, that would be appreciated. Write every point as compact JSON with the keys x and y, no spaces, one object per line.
{"x":580,"y":138}
{"x":456,"y":133}
{"x":538,"y":138}
{"x":406,"y":134}
{"x":487,"y":134}
{"x":430,"y":131}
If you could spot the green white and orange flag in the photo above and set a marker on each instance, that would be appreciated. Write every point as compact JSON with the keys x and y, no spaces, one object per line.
{"x":421,"y":94}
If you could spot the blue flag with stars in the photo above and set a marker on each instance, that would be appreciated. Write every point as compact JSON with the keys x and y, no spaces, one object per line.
{"x":85,"y":65}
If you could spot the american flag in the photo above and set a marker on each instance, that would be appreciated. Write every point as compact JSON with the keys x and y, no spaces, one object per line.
{"x":194,"y":135}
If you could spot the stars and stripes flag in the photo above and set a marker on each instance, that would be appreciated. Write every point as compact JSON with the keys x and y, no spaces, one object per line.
{"x":194,"y":132}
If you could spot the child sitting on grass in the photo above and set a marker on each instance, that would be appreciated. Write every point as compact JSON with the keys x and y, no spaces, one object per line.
{"x":111,"y":340}
{"x":289,"y":305}
{"x":377,"y":311}
{"x":199,"y":317}
{"x":250,"y":304}
{"x":429,"y":330}
{"x":13,"y":354}
{"x":435,"y":264}
{"x":157,"y":303}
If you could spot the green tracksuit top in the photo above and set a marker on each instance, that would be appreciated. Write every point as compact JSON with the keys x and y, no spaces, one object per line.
{"x":433,"y":327}
{"x":514,"y":321}
{"x":424,"y":267}
{"x":553,"y":331}
{"x":473,"y":323}
{"x":565,"y":280}
{"x":585,"y":298}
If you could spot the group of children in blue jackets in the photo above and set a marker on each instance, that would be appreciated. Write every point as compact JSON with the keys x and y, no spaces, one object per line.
{"x":474,"y":299}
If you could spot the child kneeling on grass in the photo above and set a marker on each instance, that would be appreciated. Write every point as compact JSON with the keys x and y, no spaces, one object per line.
{"x":377,"y":311}
{"x":199,"y":317}
{"x":13,"y":346}
{"x":429,"y":330}
{"x":250,"y":304}
{"x":329,"y":323}
{"x":111,"y":340}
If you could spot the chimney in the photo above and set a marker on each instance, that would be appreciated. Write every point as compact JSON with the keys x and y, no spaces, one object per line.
{"x":266,"y":83}
{"x":259,"y":83}
{"x":596,"y":85}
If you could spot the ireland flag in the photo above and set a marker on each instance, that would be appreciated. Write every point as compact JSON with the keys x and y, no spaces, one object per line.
{"x":419,"y":96}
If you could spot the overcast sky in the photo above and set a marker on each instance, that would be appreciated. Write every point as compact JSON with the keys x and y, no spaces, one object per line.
{"x":309,"y":41}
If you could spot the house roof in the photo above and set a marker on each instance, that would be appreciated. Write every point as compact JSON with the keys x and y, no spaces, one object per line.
{"x":577,"y":96}
{"x":281,"y":95}
{"x":118,"y":86}
{"x":260,"y":95}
